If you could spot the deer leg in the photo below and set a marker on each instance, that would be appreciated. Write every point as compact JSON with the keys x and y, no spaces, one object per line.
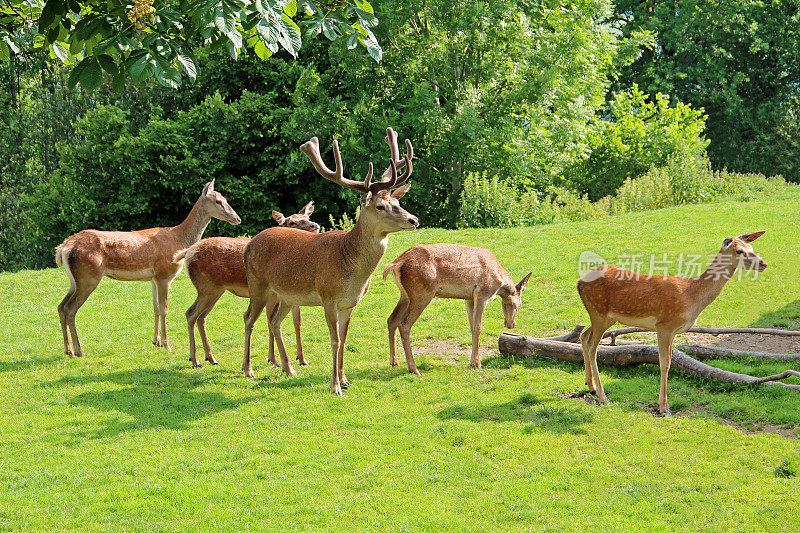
{"x":275,"y":319}
{"x":344,"y":316}
{"x":65,"y":304}
{"x":476,"y":325}
{"x":586,"y":336}
{"x":258,"y":300}
{"x":297,"y":319}
{"x":156,"y":337}
{"x":415,"y":308}
{"x":593,"y":342}
{"x":332,"y":318}
{"x":393,"y":322}
{"x":665,"y":341}
{"x":162,"y":287}
{"x":82,"y":292}
{"x":196,"y":316}
{"x":271,"y":306}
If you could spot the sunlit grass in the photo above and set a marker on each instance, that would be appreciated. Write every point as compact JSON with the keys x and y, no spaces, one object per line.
{"x":130,"y":437}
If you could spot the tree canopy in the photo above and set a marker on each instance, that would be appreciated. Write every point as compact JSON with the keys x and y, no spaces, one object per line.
{"x":160,"y":39}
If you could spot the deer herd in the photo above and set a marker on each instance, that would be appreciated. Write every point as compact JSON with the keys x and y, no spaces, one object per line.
{"x":294,"y":264}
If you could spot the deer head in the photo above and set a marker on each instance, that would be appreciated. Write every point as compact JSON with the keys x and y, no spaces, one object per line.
{"x":512,"y":299}
{"x":216,"y":206}
{"x":301,"y":220}
{"x":380,"y":205}
{"x":741,"y":252}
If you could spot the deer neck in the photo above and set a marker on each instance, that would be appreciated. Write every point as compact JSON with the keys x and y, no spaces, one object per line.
{"x":191,"y":229}
{"x":364,"y":246}
{"x":710,"y":283}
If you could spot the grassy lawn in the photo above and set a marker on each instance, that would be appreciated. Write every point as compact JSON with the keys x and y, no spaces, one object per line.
{"x":132,"y":438}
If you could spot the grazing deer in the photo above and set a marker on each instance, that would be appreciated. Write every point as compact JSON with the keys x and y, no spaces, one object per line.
{"x":667,"y":305}
{"x":147,"y":254}
{"x":449,"y":271}
{"x":217,"y":264}
{"x":330,"y":269}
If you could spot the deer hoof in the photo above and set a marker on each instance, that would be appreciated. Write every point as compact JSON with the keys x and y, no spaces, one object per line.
{"x":414,"y":371}
{"x":344,"y":384}
{"x":196,"y":365}
{"x":249,"y":374}
{"x":336,"y":390}
{"x":665,"y":412}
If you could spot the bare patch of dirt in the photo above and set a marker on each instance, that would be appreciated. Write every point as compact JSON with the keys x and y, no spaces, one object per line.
{"x":451,"y":351}
{"x":747,"y":342}
{"x":584,"y":395}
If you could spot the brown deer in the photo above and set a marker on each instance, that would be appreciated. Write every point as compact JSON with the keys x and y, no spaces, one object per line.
{"x":331,"y":269}
{"x":217,"y":264}
{"x":147,"y":254}
{"x":667,"y":305}
{"x":443,"y":270}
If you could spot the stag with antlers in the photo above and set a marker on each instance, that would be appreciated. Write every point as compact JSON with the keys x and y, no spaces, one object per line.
{"x":331,"y":269}
{"x":141,"y":255}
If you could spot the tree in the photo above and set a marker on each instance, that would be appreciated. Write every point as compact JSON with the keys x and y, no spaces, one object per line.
{"x":160,"y":39}
{"x":737,"y":60}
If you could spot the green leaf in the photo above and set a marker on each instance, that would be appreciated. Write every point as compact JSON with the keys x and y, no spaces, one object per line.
{"x":108,"y":64}
{"x":261,"y":50}
{"x":290,"y":36}
{"x":76,"y":72}
{"x":5,"y":53}
{"x":291,"y":8}
{"x":143,"y":68}
{"x":92,"y":75}
{"x":188,"y":66}
{"x":50,"y":12}
{"x":60,"y":51}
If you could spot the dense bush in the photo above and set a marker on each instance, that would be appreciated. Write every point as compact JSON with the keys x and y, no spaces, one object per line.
{"x":636,"y":134}
{"x":489,"y":202}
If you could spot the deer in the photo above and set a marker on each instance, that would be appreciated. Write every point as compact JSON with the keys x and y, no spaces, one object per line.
{"x":215,"y":265}
{"x":442,"y":270}
{"x":668,"y":305}
{"x":90,"y":255}
{"x":331,"y":269}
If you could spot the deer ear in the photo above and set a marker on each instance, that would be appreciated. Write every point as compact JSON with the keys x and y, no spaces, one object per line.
{"x":365,"y":200}
{"x":727,"y":242}
{"x":401,"y":191}
{"x":750,"y":237}
{"x":208,"y":187}
{"x":308,"y":209}
{"x":279,"y":218}
{"x":521,"y":284}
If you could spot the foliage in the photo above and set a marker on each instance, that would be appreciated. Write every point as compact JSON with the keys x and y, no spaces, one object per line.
{"x":636,"y":134}
{"x":786,"y":469}
{"x":113,"y":177}
{"x":489,"y":202}
{"x":737,"y":60}
{"x":131,"y":437}
{"x":160,"y":39}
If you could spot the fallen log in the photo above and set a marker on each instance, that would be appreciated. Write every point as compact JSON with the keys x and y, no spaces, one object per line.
{"x":575,"y":334}
{"x":701,"y":351}
{"x":630,"y":355}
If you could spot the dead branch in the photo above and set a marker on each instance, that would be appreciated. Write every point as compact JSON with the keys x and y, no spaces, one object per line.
{"x":629,"y":355}
{"x":574,"y":335}
{"x":702,"y":352}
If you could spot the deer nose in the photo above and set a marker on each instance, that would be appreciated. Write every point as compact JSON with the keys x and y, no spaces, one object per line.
{"x":414,"y":221}
{"x":762,"y":265}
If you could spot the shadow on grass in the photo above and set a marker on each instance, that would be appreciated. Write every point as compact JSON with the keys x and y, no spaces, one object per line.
{"x":526,"y":409}
{"x":153,"y":398}
{"x":26,"y":364}
{"x":785,"y":317}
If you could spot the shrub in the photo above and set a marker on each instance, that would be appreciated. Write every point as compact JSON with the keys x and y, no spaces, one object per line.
{"x":637,"y":133}
{"x":489,"y":202}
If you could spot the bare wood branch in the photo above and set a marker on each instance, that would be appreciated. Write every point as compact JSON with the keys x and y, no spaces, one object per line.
{"x":614,"y":333}
{"x":713,"y":352}
{"x":629,"y":355}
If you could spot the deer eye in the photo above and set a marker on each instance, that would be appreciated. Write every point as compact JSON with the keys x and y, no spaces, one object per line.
{"x":380,"y":207}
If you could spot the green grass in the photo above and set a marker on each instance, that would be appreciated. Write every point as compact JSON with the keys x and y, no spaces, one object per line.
{"x":130,"y":437}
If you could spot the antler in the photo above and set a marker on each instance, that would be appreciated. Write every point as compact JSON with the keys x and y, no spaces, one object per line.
{"x":311,"y":149}
{"x":389,"y":177}
{"x":391,"y":140}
